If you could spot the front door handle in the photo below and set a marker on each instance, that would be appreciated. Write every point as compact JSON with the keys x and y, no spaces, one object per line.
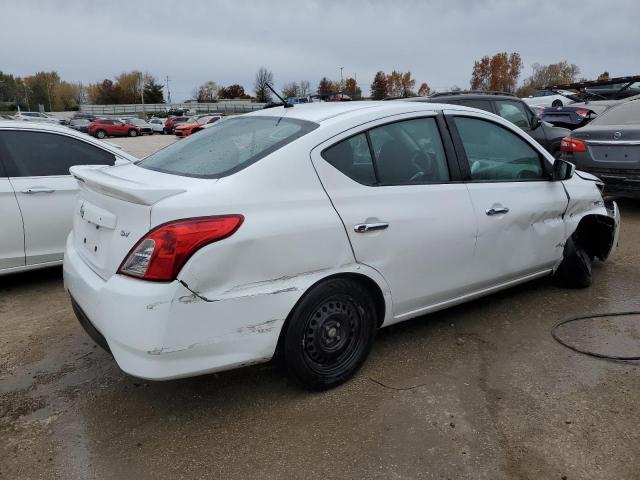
{"x":32,"y":190}
{"x":369,"y":227}
{"x":496,"y":210}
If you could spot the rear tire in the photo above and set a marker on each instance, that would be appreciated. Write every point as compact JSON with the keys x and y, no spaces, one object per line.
{"x":133,"y":133}
{"x":557,"y":103}
{"x":575,"y":269}
{"x":330,"y":334}
{"x":101,"y":134}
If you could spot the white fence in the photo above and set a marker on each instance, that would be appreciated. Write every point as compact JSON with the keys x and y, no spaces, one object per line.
{"x":223,"y":106}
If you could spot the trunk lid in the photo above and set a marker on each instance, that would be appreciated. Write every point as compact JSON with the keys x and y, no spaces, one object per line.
{"x":612,"y":146}
{"x":113,"y":210}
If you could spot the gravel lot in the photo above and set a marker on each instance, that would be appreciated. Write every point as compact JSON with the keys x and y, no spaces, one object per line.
{"x":478,"y":391}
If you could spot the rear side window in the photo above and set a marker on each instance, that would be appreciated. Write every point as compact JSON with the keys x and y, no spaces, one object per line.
{"x":515,"y":112}
{"x":227,"y":147}
{"x":37,"y":154}
{"x":496,"y":154}
{"x":626,"y":114}
{"x":402,"y":153}
{"x":480,"y":104}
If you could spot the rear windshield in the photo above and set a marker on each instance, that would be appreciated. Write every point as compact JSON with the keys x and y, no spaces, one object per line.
{"x":227,"y":147}
{"x":626,"y":114}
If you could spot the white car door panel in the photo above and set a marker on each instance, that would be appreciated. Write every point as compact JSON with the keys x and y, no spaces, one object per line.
{"x":420,"y":237}
{"x":47,"y":205}
{"x":518,"y":208}
{"x":12,"y":237}
{"x":37,"y":164}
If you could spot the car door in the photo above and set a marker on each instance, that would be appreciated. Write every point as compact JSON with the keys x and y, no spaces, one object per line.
{"x":519,"y":209}
{"x":12,"y":238}
{"x":38,"y":169}
{"x":394,"y":185}
{"x":518,"y":114}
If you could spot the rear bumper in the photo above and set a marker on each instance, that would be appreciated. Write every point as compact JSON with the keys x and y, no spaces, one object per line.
{"x":618,"y":182}
{"x":161,"y":331}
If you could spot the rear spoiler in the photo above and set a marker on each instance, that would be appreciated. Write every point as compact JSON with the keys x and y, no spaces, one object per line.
{"x":100,"y":179}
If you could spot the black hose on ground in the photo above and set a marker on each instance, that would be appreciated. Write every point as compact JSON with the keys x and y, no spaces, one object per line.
{"x":587,"y":352}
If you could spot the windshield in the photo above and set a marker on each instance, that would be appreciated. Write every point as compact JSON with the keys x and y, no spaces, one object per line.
{"x":227,"y":147}
{"x":626,"y":114}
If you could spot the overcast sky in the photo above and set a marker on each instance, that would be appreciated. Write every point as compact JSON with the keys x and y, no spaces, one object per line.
{"x":227,"y":41}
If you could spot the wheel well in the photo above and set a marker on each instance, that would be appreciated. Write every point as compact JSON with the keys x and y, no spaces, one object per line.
{"x":370,"y":285}
{"x":595,"y":233}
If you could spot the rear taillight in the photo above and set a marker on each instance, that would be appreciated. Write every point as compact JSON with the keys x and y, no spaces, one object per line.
{"x":160,"y":255}
{"x":572,"y":145}
{"x":583,"y":113}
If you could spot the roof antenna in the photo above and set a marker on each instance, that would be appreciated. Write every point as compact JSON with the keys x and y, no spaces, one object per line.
{"x":284,"y":103}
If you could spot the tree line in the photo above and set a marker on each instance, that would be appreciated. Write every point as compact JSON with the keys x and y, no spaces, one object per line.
{"x":499,"y":72}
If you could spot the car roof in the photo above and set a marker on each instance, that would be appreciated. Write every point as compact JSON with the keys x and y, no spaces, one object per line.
{"x":461,"y":96}
{"x":63,"y":130}
{"x":320,"y":112}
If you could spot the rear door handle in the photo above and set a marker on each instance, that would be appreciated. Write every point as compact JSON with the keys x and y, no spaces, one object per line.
{"x":32,"y":190}
{"x":496,"y":210}
{"x":369,"y":227}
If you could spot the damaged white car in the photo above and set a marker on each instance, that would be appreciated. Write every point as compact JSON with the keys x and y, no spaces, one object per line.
{"x":299,"y":232}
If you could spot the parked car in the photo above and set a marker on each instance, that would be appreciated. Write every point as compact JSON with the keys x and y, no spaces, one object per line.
{"x":84,"y":116}
{"x":37,"y":117}
{"x":508,"y":107}
{"x":195,"y":124}
{"x":609,"y":147}
{"x":145,"y":127}
{"x":37,"y":193}
{"x":304,"y":230}
{"x":7,"y":117}
{"x":157,"y":124}
{"x":171,"y":123}
{"x":107,"y":127}
{"x":581,"y":113}
{"x":80,"y":124}
{"x":551,"y":98}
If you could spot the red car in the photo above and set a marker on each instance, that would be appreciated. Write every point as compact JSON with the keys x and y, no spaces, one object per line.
{"x":194,"y":124}
{"x":102,"y":127}
{"x":172,"y":122}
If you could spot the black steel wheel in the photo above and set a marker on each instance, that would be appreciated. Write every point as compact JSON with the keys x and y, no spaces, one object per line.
{"x":575,"y":269}
{"x":330,"y":334}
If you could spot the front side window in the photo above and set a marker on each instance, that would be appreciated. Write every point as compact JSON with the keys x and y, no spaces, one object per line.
{"x":38,"y":154}
{"x":515,"y":112}
{"x":409,"y":152}
{"x":495,"y":153}
{"x":227,"y":147}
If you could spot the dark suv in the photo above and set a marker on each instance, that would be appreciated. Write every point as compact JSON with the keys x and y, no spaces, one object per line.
{"x":508,"y":107}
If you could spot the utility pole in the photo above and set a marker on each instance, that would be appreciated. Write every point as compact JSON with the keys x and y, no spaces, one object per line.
{"x":341,"y":79}
{"x":168,"y":92}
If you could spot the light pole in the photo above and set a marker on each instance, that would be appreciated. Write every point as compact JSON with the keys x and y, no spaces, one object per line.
{"x":341,"y":79}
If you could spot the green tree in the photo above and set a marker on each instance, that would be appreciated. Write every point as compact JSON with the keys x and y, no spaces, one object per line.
{"x":379,"y":86}
{"x":42,"y":89}
{"x":546,"y":75}
{"x":153,"y":92}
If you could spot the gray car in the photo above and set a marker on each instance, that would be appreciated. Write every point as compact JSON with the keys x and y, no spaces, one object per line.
{"x":609,"y":147}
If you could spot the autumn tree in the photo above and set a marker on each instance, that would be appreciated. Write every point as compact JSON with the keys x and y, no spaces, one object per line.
{"x":231,"y":92}
{"x":325,"y":86}
{"x":499,"y":72}
{"x":130,"y":85}
{"x":545,"y":75}
{"x":604,"y":76}
{"x":42,"y":89}
{"x":263,"y":76}
{"x":424,"y":90}
{"x":379,"y":86}
{"x":207,"y":92}
{"x":352,"y":89}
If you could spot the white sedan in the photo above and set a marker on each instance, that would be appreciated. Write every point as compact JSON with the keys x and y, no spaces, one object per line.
{"x":157,"y":125}
{"x":301,"y":231}
{"x":550,"y":98}
{"x":37,"y":193}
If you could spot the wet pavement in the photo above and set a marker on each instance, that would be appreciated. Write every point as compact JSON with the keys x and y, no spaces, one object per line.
{"x":478,"y":391}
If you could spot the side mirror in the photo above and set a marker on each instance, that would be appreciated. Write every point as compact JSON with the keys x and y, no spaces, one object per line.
{"x":535,"y":122}
{"x":563,"y":170}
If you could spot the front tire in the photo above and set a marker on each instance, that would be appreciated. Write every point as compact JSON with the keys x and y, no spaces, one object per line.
{"x":133,"y":133}
{"x":575,"y":269}
{"x":101,"y":134}
{"x":330,"y":334}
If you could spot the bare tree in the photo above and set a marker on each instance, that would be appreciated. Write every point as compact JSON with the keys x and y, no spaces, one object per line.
{"x":263,"y":76}
{"x":291,"y":89}
{"x":304,"y":88}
